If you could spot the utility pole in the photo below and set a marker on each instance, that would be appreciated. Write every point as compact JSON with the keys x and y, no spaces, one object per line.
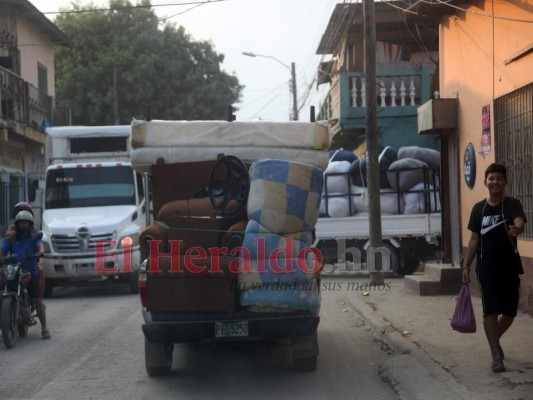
{"x":372,"y":143}
{"x":294,"y":96}
{"x":292,"y":69}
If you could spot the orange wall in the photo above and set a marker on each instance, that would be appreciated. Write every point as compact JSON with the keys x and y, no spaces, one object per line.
{"x":472,"y":53}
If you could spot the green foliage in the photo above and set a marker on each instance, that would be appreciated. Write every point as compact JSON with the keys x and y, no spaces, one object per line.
{"x":119,"y":61}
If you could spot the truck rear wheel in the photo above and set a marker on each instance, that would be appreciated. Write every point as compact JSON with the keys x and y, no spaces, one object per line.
{"x":305,"y":364}
{"x":410,"y":266}
{"x":394,"y":259}
{"x":305,"y":352}
{"x":157,"y":370}
{"x":157,"y":358}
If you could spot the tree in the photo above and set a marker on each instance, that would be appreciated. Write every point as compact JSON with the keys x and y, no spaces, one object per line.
{"x":118,"y":62}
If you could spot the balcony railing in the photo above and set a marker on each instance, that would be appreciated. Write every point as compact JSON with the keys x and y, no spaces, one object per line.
{"x":399,"y":93}
{"x":392,"y":91}
{"x":22,"y":102}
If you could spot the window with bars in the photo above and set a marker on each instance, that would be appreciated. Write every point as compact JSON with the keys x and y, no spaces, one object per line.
{"x":513,"y":144}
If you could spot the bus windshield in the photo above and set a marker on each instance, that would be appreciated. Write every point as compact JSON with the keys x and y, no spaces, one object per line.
{"x":89,"y":187}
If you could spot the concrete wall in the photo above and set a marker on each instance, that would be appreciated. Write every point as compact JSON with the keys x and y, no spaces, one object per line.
{"x":473,"y":48}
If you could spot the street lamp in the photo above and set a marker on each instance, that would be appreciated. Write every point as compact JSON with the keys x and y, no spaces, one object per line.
{"x":292,"y":69}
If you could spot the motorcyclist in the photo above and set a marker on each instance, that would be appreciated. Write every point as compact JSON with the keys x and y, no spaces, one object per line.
{"x":21,"y":206}
{"x":23,"y":244}
{"x":11,"y":232}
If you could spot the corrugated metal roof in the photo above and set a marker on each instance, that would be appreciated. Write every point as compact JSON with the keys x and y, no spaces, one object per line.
{"x":389,"y":16}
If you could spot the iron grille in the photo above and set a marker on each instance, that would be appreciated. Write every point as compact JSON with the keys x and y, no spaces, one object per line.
{"x":71,"y":244}
{"x":513,"y":143}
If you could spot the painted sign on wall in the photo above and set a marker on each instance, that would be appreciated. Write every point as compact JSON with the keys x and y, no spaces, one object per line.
{"x":469,"y":165}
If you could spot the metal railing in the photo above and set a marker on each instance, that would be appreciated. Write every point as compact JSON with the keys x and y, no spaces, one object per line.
{"x":24,"y":103}
{"x":513,"y":130}
{"x":427,"y":196}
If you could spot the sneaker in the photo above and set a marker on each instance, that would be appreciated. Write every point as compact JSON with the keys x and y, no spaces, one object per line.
{"x":497,"y":365}
{"x":46,"y":334}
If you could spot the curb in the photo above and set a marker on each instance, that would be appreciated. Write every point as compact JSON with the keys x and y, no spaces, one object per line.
{"x":413,"y":374}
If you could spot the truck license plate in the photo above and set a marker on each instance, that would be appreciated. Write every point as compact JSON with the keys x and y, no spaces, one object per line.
{"x":231,"y":329}
{"x":85,"y":267}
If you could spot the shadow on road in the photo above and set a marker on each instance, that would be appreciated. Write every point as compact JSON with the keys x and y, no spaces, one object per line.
{"x":92,"y":290}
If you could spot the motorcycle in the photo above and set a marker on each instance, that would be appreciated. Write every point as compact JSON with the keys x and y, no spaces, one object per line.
{"x":17,"y":307}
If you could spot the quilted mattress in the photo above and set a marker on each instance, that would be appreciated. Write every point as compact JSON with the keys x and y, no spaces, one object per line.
{"x":169,"y":142}
{"x":284,"y":196}
{"x":302,"y":135}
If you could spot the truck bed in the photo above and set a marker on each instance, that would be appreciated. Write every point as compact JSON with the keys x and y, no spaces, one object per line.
{"x":391,"y":226}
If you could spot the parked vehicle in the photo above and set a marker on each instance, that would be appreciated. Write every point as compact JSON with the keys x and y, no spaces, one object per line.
{"x":94,"y":207}
{"x":198,"y":173}
{"x":17,"y":307}
{"x":409,"y":236}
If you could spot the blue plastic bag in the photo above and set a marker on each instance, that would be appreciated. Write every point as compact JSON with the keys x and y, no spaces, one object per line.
{"x":463,"y":319}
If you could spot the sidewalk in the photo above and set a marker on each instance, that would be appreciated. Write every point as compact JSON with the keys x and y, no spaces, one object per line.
{"x":436,"y":362}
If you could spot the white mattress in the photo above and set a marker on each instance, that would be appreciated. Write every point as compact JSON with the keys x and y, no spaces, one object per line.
{"x":143,"y":158}
{"x":298,"y":135}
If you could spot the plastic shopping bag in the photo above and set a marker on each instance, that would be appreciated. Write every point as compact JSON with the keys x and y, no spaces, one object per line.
{"x":463,"y":319}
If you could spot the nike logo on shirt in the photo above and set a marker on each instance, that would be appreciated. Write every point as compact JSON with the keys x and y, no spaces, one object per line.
{"x":489,"y":228}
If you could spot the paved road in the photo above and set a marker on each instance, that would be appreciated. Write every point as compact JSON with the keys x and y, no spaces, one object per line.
{"x":96,"y":352}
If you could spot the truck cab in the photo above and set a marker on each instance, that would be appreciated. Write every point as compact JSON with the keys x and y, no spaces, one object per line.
{"x":94,"y":208}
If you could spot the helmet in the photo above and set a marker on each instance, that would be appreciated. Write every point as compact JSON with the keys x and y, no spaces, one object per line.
{"x":22,"y":206}
{"x":24,"y":216}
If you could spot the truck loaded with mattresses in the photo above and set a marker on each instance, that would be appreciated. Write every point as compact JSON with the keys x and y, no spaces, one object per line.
{"x":228,"y":252}
{"x":410,"y":210}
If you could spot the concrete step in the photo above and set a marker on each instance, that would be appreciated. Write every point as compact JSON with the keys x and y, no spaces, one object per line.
{"x":422,"y":285}
{"x":437,"y":279}
{"x":449,"y":276}
{"x":440,"y":271}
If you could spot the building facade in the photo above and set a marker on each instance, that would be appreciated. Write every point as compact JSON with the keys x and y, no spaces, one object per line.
{"x":489,"y":69}
{"x":406,"y":74}
{"x":27,"y":90}
{"x":486,"y":65}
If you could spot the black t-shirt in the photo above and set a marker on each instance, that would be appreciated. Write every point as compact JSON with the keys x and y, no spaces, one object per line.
{"x":497,"y":249}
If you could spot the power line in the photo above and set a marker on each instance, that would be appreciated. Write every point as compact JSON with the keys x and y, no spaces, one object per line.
{"x":159,"y":20}
{"x":446,"y":3}
{"x":197,"y":3}
{"x":183,"y":12}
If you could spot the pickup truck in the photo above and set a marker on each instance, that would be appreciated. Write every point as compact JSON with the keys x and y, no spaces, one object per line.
{"x":217,"y":189}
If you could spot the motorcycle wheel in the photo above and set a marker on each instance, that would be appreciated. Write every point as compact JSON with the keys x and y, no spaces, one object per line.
{"x":9,"y":322}
{"x":23,"y":330}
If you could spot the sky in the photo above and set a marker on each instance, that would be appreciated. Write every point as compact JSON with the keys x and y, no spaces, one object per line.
{"x":286,"y":30}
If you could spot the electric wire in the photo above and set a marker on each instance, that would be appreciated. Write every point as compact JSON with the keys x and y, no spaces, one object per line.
{"x":137,"y":6}
{"x":447,"y":3}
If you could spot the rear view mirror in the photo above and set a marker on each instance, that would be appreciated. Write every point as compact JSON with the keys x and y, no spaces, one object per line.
{"x":38,"y":236}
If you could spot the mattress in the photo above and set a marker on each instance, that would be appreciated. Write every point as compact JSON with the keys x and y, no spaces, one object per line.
{"x":299,"y":135}
{"x":143,"y":158}
{"x":284,"y":195}
{"x":291,"y":296}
